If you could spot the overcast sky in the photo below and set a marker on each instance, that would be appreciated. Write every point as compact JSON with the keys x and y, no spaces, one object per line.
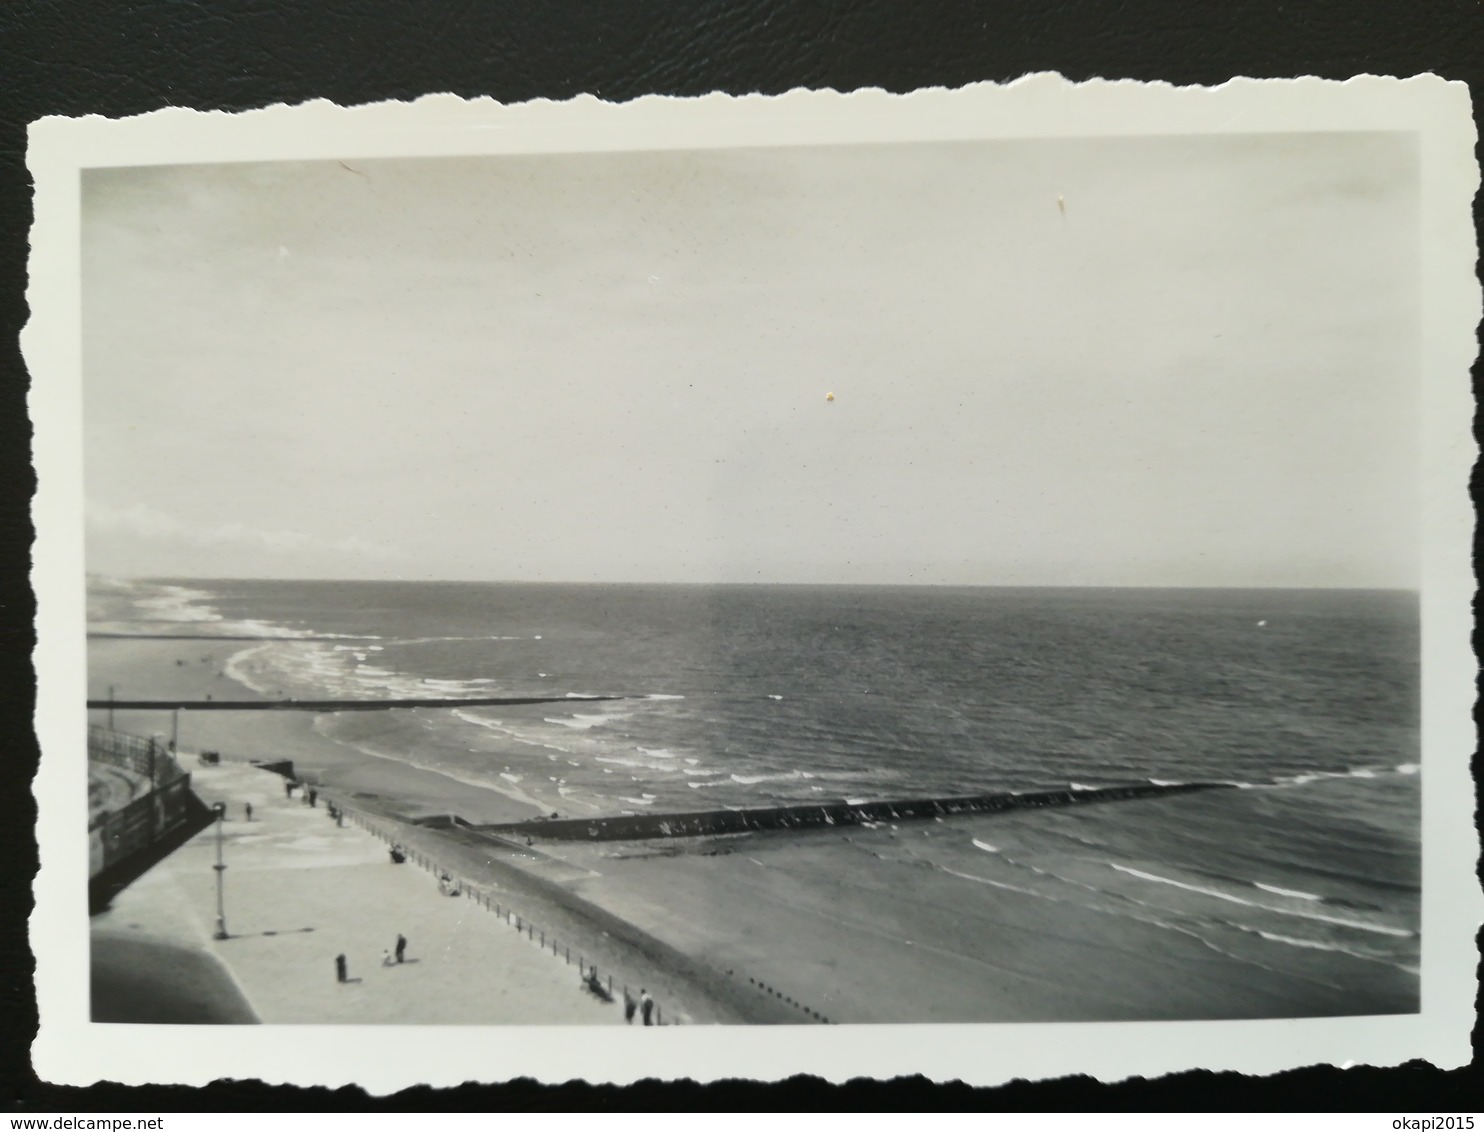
{"x":1108,"y":362}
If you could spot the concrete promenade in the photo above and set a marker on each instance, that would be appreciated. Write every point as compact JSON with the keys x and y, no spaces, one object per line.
{"x":300,"y":890}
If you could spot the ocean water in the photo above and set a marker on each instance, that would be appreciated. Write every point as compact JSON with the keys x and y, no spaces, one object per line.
{"x":1306,"y":700}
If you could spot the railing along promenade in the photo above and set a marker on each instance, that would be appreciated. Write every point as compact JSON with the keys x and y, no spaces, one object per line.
{"x":598,"y":982}
{"x":115,"y":836}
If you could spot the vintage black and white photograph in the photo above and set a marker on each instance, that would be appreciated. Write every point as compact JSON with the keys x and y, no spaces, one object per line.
{"x":944,"y":580}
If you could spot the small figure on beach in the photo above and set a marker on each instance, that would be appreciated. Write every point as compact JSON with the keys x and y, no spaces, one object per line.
{"x":398,"y":854}
{"x":247,"y":809}
{"x":646,"y":1007}
{"x":340,"y":968}
{"x":386,"y":958}
{"x":313,"y":795}
{"x":629,"y":1006}
{"x":401,"y":948}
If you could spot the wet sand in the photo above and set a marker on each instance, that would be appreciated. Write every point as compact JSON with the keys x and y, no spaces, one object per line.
{"x":775,"y":927}
{"x":844,"y":925}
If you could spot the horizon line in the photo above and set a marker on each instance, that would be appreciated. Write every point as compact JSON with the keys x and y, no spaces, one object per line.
{"x":1414,"y":589}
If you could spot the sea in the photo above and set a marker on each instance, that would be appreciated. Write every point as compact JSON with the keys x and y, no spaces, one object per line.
{"x":1306,"y":702}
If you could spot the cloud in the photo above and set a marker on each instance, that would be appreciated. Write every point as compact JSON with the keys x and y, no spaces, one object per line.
{"x":142,"y":521}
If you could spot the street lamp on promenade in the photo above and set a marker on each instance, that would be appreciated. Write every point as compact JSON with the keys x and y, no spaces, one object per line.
{"x":221,"y":870}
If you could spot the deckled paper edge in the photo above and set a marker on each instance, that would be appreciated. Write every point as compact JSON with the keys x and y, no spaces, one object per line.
{"x":70,"y":1050}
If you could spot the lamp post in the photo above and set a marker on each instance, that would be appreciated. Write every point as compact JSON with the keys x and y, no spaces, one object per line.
{"x":221,"y":869}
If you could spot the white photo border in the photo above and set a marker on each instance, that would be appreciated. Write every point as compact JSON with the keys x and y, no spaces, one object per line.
{"x":69,"y":1049}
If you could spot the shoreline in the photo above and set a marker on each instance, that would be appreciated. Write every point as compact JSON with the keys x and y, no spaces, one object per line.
{"x":766,"y":926}
{"x":392,"y":795}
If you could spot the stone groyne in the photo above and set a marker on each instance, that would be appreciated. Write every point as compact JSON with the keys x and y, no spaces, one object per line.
{"x":638,"y":827}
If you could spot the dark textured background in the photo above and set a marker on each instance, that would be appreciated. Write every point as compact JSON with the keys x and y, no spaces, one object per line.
{"x":116,"y":58}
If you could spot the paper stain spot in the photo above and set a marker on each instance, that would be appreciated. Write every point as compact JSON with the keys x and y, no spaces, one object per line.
{"x":829,"y":396}
{"x":1061,"y":204}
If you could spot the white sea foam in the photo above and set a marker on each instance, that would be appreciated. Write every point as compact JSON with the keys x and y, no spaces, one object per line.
{"x":1354,"y":772}
{"x":981,"y":845}
{"x":177,"y":603}
{"x":1320,"y":945}
{"x":993,"y":883}
{"x":581,"y":722}
{"x":656,"y":752}
{"x":775,"y":697}
{"x":662,"y":696}
{"x":236,"y":669}
{"x":478,"y":721}
{"x":1359,"y":925}
{"x":1292,"y":941}
{"x":619,"y":760}
{"x":1273,"y":888}
{"x":754,"y":779}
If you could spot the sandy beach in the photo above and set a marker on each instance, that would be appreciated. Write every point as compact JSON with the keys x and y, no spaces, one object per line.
{"x":385,"y":794}
{"x":772,"y":927}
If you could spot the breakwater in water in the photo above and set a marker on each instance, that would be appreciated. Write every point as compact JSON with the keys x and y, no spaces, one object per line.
{"x":639,"y":827}
{"x":335,"y":705}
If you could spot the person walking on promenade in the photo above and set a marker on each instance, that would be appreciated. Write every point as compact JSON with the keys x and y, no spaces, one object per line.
{"x":646,"y":1007}
{"x":401,"y":948}
{"x":247,"y":809}
{"x":629,"y":1006}
{"x":340,"y":968}
{"x":313,"y":794}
